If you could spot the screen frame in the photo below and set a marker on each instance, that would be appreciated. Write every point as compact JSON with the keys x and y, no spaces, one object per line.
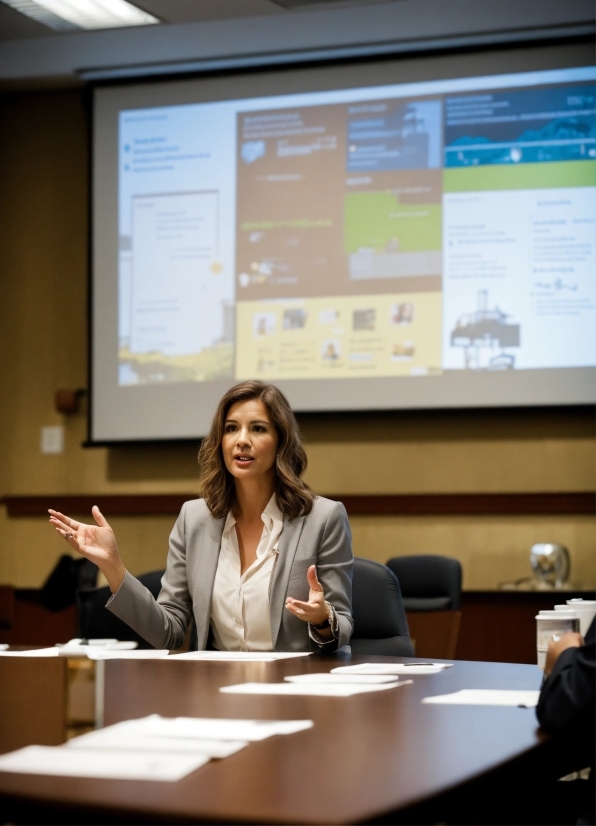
{"x":563,"y":53}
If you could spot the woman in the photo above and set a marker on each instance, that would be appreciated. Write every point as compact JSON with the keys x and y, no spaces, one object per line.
{"x":259,"y":540}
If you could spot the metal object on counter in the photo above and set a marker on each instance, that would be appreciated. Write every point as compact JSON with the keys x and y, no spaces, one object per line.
{"x":550,"y":564}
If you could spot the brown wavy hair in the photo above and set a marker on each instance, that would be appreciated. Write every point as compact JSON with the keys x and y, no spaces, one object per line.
{"x":294,"y":497}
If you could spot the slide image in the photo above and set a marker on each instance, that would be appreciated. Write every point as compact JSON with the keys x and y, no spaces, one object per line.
{"x":364,"y":319}
{"x":522,"y":126}
{"x":403,"y":352}
{"x":385,"y":135}
{"x":331,"y":349}
{"x":263,"y":324}
{"x":486,"y":329}
{"x":294,"y":319}
{"x":402,"y":313}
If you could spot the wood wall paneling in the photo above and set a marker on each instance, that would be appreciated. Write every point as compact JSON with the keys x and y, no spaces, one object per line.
{"x":459,"y":504}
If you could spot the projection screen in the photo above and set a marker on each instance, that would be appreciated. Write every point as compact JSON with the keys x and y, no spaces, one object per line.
{"x":404,"y":234}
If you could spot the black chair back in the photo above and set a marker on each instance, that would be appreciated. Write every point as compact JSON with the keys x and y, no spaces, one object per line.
{"x":60,"y":588}
{"x":94,"y":621}
{"x":380,"y":624}
{"x":428,"y":582}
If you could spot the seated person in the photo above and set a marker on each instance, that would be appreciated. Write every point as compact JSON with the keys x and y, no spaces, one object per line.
{"x":257,"y":541}
{"x":566,"y":710}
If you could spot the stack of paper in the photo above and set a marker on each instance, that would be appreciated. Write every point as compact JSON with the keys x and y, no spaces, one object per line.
{"x":151,"y":748}
{"x":392,"y":668}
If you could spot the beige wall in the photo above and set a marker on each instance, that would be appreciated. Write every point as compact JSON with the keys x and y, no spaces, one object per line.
{"x":43,"y":330}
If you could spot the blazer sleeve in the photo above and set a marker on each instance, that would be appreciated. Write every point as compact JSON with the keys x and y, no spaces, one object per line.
{"x":162,"y":622}
{"x":335,"y":563}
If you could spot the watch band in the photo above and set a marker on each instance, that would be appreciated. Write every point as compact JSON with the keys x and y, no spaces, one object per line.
{"x":330,"y":622}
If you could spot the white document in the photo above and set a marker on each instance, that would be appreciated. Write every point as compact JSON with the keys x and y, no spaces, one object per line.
{"x":118,"y":738}
{"x":239,"y":656}
{"x":37,"y":652}
{"x":391,"y":668}
{"x":138,"y":654}
{"x":313,"y":690}
{"x":487,"y":697}
{"x":212,"y":728}
{"x":115,"y":765}
{"x":341,"y":679}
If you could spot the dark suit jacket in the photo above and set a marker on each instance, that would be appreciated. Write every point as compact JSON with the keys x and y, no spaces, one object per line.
{"x":566,"y":704}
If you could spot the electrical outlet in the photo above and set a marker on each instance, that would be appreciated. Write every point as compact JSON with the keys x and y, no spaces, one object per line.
{"x":52,"y":439}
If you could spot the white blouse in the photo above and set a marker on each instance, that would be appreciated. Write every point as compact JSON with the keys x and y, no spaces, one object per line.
{"x":240,"y":615}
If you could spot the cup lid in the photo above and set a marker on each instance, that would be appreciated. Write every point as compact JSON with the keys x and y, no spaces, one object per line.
{"x":556,"y":615}
{"x":582,"y":603}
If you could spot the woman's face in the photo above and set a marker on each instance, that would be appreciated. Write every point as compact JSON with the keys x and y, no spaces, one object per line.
{"x":250,"y":440}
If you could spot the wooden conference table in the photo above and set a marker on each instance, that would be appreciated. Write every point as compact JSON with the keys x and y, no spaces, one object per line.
{"x":369,"y":756}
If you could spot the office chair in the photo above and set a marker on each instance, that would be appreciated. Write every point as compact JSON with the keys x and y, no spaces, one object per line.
{"x":95,"y":621}
{"x":69,"y":575}
{"x":380,"y":624}
{"x":431,"y":588}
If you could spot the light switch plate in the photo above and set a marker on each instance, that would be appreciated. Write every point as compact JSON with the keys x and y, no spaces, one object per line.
{"x":52,"y":439}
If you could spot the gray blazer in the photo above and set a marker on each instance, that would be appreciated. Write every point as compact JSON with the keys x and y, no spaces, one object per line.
{"x":321,"y":538}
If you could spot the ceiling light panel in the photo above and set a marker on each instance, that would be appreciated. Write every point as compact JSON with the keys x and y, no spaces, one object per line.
{"x":62,"y":15}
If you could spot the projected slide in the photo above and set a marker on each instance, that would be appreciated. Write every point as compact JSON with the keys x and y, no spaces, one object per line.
{"x":379,"y":232}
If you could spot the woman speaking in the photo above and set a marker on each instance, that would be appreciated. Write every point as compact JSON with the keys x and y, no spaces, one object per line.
{"x":260,"y":561}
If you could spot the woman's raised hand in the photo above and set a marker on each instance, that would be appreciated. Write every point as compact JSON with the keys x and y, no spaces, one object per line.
{"x":315,"y":610}
{"x":95,"y":542}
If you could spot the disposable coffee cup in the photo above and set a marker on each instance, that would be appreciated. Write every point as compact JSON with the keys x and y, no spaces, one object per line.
{"x":585,"y":609}
{"x":549,"y":623}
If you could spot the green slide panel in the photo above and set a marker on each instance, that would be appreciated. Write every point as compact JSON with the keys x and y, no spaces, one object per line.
{"x":525,"y":176}
{"x":377,"y":220}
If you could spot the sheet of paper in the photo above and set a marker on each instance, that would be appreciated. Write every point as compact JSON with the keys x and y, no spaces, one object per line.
{"x":115,"y":765}
{"x":391,"y":668}
{"x":37,"y":652}
{"x":117,"y":739}
{"x":137,"y":654}
{"x":341,"y":679}
{"x":487,"y":697}
{"x":239,"y":656}
{"x":212,"y":728}
{"x":313,"y":690}
{"x":231,"y":657}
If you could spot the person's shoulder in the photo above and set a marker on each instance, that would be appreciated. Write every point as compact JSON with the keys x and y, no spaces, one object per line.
{"x":323,"y":508}
{"x":196,"y":510}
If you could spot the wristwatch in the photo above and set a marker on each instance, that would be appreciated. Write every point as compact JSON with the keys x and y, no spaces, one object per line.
{"x":327,"y":623}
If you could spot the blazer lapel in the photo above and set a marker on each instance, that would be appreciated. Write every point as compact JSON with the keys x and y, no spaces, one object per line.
{"x":288,"y":543}
{"x":207,"y":560}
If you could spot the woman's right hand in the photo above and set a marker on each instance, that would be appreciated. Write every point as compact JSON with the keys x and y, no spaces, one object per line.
{"x":95,"y":542}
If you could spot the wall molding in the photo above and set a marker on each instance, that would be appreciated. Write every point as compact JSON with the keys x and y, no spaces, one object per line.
{"x":423,"y":504}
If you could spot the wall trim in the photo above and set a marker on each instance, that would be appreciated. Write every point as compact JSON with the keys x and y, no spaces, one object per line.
{"x":423,"y":504}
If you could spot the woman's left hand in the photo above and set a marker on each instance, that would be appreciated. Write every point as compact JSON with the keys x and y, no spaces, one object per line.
{"x":315,"y":610}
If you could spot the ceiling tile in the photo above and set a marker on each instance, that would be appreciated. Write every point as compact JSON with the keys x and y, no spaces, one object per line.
{"x":15,"y":26}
